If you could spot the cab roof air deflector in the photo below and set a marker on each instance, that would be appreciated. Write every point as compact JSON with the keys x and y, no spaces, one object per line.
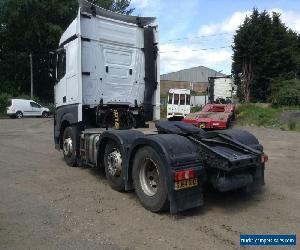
{"x":87,"y":7}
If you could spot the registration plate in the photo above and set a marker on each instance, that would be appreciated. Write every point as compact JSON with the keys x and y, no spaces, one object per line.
{"x":186,"y":184}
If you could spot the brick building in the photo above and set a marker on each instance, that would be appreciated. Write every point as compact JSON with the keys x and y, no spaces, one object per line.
{"x":195,"y":79}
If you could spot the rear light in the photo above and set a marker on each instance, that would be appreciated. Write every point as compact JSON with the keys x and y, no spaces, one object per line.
{"x":264,"y":158}
{"x":185,"y":174}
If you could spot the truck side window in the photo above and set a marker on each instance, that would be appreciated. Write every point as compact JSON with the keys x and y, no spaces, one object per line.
{"x":188,"y":100}
{"x":170,"y":98}
{"x":176,"y":99}
{"x":61,"y":64}
{"x":182,"y":99}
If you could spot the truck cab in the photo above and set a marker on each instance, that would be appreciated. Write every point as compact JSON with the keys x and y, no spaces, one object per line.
{"x":105,"y":71}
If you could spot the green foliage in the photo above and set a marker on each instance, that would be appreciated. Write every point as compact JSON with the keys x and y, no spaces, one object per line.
{"x":264,"y":49}
{"x":163,"y":111}
{"x":265,"y":115}
{"x":4,"y":102}
{"x":285,"y":92}
{"x":196,"y":109}
{"x":35,"y":26}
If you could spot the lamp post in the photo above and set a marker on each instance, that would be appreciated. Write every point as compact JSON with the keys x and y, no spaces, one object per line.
{"x":31,"y":77}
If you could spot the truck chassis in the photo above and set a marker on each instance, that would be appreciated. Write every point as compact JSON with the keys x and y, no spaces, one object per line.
{"x":169,"y":167}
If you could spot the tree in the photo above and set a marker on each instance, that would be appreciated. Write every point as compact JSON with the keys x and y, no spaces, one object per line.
{"x":35,"y":26}
{"x":264,"y":49}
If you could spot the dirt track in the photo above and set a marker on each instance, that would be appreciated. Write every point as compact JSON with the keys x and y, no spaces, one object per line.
{"x":46,"y":205}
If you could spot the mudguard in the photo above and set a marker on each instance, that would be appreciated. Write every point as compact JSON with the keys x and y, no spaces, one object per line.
{"x":177,"y":153}
{"x":124,"y":138}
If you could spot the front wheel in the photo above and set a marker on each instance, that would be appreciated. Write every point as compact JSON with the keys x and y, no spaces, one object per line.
{"x":70,"y":146}
{"x":149,"y":180}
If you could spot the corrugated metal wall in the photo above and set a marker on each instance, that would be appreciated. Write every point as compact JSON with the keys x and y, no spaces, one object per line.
{"x":196,"y":74}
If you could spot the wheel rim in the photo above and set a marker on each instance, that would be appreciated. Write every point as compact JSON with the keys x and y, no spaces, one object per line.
{"x":114,"y":162}
{"x":19,"y":115}
{"x":149,"y":177}
{"x":68,"y":146}
{"x":45,"y":115}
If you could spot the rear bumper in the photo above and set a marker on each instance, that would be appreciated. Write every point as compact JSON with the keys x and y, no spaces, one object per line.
{"x":10,"y":113}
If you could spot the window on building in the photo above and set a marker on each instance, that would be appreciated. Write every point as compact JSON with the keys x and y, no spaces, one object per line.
{"x":170,"y":98}
{"x":182,"y":99}
{"x":176,"y":99}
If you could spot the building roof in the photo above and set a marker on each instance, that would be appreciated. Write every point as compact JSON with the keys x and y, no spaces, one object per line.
{"x":195,"y":74}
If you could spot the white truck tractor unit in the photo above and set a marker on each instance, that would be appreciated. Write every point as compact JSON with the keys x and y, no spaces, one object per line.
{"x":221,"y":89}
{"x":106,"y":76}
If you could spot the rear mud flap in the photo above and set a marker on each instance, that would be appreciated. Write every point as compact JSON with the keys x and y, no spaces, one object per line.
{"x":186,"y":199}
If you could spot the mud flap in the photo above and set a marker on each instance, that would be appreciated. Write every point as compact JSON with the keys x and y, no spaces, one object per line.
{"x":186,"y":199}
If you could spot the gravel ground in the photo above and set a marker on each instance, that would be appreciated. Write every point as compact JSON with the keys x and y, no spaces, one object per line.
{"x":47,"y":205}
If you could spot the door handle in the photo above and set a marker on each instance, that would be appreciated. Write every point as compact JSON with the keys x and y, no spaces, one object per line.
{"x":106,"y":69}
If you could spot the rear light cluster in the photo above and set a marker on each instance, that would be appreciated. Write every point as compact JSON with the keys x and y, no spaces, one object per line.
{"x":185,"y":174}
{"x":264,"y":158}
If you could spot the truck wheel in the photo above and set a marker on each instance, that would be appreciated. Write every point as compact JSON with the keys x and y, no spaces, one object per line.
{"x":69,"y":146}
{"x":149,"y":180}
{"x":113,"y":166}
{"x":19,"y":114}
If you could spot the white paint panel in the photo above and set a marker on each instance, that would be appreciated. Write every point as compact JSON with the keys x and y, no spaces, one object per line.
{"x":112,"y":31}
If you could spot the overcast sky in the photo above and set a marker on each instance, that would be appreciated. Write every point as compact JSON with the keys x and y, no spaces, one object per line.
{"x":200,"y":32}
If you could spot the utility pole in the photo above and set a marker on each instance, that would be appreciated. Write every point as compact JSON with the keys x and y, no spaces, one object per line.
{"x":31,"y":77}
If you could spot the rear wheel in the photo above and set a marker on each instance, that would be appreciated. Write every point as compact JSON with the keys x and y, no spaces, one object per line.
{"x":149,"y":180}
{"x":45,"y":114}
{"x":70,"y":146}
{"x":19,"y":114}
{"x":113,"y":166}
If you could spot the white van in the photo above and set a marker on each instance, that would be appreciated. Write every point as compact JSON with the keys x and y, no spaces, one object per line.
{"x":21,"y":107}
{"x":178,"y":104}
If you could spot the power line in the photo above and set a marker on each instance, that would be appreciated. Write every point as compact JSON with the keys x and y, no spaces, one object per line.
{"x":195,"y":37}
{"x":194,"y":50}
{"x":199,"y":42}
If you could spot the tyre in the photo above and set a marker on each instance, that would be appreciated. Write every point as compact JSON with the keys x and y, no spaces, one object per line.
{"x":45,"y":114}
{"x":19,"y":115}
{"x":70,"y":139}
{"x":149,"y":180}
{"x":113,"y":166}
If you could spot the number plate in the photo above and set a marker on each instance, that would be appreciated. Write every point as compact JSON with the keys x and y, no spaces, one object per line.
{"x":186,"y":184}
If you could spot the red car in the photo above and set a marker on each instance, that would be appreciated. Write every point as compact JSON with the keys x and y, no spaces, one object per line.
{"x":212,"y":116}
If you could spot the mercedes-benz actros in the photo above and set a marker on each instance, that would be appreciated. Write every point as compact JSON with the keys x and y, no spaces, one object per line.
{"x":106,"y":77}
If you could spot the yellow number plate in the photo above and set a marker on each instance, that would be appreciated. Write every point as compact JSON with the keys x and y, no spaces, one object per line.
{"x":186,"y":184}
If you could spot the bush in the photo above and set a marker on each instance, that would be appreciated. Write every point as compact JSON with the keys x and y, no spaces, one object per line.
{"x":4,"y":102}
{"x":285,"y":92}
{"x":196,"y":109}
{"x":257,"y":114}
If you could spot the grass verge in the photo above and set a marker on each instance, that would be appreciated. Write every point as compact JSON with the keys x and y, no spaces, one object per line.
{"x":285,"y":118}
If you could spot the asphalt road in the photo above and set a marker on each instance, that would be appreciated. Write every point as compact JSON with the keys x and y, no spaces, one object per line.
{"x":47,"y":205}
